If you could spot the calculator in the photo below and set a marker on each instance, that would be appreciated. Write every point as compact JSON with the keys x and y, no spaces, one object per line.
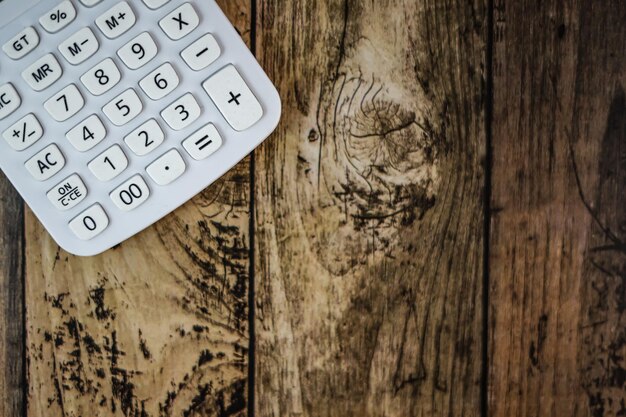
{"x":114,"y":113}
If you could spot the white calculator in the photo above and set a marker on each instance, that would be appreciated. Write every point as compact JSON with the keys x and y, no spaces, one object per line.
{"x":114,"y":113}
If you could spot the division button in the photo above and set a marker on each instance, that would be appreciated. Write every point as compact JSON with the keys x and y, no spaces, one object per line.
{"x":68,"y":193}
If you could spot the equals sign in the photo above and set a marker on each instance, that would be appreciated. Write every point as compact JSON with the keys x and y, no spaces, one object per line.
{"x":202,"y":145}
{"x":202,"y":52}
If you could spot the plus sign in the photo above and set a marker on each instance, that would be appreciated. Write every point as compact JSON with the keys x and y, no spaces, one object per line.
{"x":121,"y":16}
{"x":234,"y":98}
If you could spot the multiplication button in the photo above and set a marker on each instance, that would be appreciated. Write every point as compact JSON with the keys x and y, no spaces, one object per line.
{"x":234,"y":99}
{"x":68,"y":194}
{"x":203,"y":143}
{"x":24,"y":133}
{"x":90,"y":223}
{"x":181,"y":22}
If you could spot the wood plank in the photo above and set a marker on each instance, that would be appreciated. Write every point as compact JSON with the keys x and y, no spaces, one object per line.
{"x":157,"y":326}
{"x":12,"y":364}
{"x":557,"y":343}
{"x":369,"y":209}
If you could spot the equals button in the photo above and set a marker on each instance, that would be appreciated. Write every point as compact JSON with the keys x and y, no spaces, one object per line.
{"x":203,"y":143}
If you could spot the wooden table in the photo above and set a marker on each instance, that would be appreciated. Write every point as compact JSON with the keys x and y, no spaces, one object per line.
{"x":437,"y":228}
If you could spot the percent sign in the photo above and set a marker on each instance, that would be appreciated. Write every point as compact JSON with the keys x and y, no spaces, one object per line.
{"x":58,"y":15}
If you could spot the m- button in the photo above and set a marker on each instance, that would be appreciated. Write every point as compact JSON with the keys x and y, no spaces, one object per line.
{"x":22,"y":43}
{"x":43,"y":73}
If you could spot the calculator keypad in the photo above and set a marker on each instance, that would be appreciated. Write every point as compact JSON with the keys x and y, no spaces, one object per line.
{"x":120,"y":149}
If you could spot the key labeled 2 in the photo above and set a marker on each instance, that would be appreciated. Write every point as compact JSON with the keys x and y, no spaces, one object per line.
{"x":145,"y":138}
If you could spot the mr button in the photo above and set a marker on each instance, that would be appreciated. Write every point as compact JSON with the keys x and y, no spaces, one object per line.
{"x":46,"y":163}
{"x":43,"y":73}
{"x":68,"y":193}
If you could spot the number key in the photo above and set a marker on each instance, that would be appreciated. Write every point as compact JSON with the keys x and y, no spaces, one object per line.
{"x":160,"y":82}
{"x":138,"y":52}
{"x":90,"y":223}
{"x":102,"y":77}
{"x":145,"y":138}
{"x":87,"y":134}
{"x":65,"y":104}
{"x":182,"y":112}
{"x":123,"y":108}
{"x":131,"y":194}
{"x":109,"y":164}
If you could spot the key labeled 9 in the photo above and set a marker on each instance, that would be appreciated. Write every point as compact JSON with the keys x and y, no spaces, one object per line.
{"x":139,"y":51}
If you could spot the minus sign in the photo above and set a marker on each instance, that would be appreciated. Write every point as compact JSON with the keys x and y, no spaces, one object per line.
{"x":84,"y":42}
{"x":202,"y":52}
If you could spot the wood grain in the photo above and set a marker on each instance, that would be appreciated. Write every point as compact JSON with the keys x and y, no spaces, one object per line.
{"x":369,"y":209}
{"x":557,"y":328}
{"x":12,"y":359}
{"x":155,"y":327}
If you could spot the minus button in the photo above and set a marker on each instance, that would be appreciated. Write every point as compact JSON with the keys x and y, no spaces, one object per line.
{"x":202,"y":52}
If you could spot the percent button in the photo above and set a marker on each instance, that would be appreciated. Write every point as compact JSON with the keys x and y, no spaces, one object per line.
{"x":59,"y":17}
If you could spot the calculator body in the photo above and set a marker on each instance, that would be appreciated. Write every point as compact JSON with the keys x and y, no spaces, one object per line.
{"x":236,"y":108}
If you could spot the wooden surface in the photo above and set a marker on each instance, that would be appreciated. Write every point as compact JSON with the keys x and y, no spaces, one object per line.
{"x":436,"y":228}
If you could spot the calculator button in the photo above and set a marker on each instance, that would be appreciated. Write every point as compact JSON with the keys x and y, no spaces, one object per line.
{"x":9,"y":100}
{"x":46,"y":163}
{"x":90,"y":3}
{"x":59,"y":17}
{"x":65,"y":104}
{"x":182,"y":112}
{"x":109,"y":164}
{"x":138,"y":52}
{"x":131,"y":194}
{"x":80,"y":46}
{"x":43,"y":73}
{"x":68,"y":194}
{"x":102,"y":77}
{"x":145,"y":138}
{"x":117,"y":20}
{"x":90,"y":223}
{"x":233,"y":98}
{"x":22,"y":43}
{"x":123,"y":108}
{"x":202,"y":52}
{"x":155,"y":4}
{"x":24,"y":133}
{"x":87,"y":134}
{"x":167,"y":168}
{"x":203,"y":143}
{"x":160,"y":82}
{"x":180,"y":22}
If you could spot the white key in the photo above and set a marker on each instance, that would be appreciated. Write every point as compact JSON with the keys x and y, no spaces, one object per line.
{"x":145,"y":138}
{"x":123,"y":108}
{"x":24,"y":133}
{"x":160,"y":82}
{"x":46,"y":163}
{"x":138,"y":52}
{"x":59,"y":17}
{"x":233,"y":98}
{"x":182,"y":112}
{"x":109,"y":164}
{"x":202,"y":52}
{"x":65,"y":104}
{"x":131,"y":194}
{"x":155,"y":4}
{"x":180,"y":22}
{"x":43,"y":73}
{"x":68,"y":194}
{"x":102,"y":77}
{"x":22,"y":43}
{"x":9,"y":100}
{"x":204,"y":143}
{"x":167,"y":168}
{"x":90,"y":223}
{"x":87,"y":134}
{"x":117,"y":20}
{"x":80,"y":46}
{"x":90,"y":3}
